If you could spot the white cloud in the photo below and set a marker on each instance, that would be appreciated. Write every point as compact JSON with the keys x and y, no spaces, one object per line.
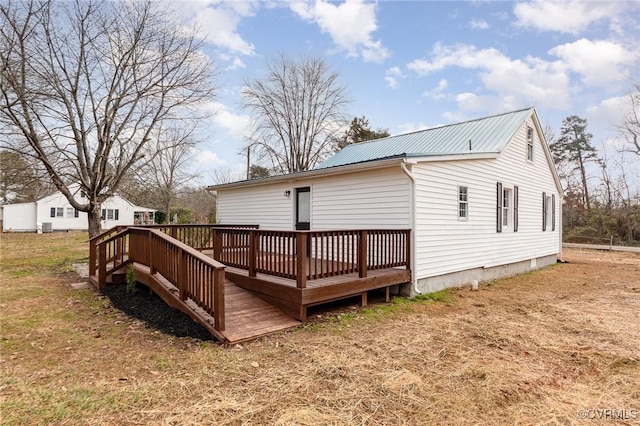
{"x":478,"y":24}
{"x":350,"y":25}
{"x":411,"y":127}
{"x":437,"y":92}
{"x":599,"y":62}
{"x":218,"y":22}
{"x":609,"y":112}
{"x":516,"y":83}
{"x":392,"y":77}
{"x":565,"y":16}
{"x":207,"y":160}
{"x":237,"y":63}
{"x":237,"y":125}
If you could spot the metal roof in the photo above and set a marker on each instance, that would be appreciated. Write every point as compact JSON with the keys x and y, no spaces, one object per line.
{"x":483,"y":135}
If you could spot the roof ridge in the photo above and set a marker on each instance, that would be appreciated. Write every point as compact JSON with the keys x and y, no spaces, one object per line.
{"x":442,"y":126}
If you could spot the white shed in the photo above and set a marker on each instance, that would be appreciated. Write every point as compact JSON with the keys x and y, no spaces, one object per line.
{"x":482,"y":198}
{"x":55,"y":213}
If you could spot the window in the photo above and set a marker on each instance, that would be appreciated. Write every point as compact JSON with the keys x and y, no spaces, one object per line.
{"x":70,"y":213}
{"x":59,"y":212}
{"x":529,"y":144}
{"x":463,"y":203}
{"x":506,"y":207}
{"x":110,"y":214}
{"x":548,"y":211}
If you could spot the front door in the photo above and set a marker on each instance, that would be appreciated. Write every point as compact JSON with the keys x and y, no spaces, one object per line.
{"x":303,"y":209}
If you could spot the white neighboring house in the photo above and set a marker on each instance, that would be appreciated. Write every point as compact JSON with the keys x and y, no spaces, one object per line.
{"x":482,"y":198}
{"x":54,"y":213}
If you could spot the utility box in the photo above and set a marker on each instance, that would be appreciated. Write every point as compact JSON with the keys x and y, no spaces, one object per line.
{"x":46,"y":227}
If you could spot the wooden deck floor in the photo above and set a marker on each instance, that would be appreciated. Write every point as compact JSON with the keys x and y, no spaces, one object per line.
{"x":247,"y":316}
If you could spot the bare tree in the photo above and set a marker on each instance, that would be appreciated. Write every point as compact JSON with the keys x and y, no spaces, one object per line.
{"x":226,"y":175}
{"x":630,"y":127}
{"x":21,"y":180}
{"x":170,"y":169}
{"x":298,"y":109}
{"x":85,"y":86}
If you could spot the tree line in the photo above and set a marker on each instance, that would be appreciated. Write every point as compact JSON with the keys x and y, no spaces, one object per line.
{"x":601,"y":198}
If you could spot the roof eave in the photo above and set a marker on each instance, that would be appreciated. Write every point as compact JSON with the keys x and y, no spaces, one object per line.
{"x":310,"y":174}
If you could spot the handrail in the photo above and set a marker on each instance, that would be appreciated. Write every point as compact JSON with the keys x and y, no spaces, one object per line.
{"x":205,"y":240}
{"x":195,"y":275}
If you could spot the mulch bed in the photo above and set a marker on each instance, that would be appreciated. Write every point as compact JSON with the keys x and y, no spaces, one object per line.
{"x":146,"y":306}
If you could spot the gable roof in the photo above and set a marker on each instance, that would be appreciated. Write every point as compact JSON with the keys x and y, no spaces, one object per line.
{"x":480,"y":136}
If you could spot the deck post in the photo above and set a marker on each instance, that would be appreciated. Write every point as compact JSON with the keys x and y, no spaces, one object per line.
{"x":150,"y":248}
{"x":301,"y":259}
{"x":92,"y":257}
{"x":102,"y":266}
{"x":182,"y":275}
{"x":252,"y":253}
{"x":362,"y":254}
{"x":218,"y":299}
{"x":217,"y":244}
{"x":408,"y":249}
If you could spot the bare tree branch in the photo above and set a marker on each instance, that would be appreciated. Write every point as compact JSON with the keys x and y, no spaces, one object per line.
{"x":299,"y":112}
{"x":87,"y":86}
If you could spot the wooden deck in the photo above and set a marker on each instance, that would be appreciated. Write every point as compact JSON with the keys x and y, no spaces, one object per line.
{"x":247,"y":316}
{"x":241,"y":282}
{"x":285,"y":294}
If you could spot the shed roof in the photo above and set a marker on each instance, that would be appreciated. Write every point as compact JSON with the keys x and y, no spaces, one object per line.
{"x":480,"y":136}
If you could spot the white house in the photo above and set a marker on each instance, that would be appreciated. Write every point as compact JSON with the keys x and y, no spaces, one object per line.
{"x":54,"y":212}
{"x":482,"y":198}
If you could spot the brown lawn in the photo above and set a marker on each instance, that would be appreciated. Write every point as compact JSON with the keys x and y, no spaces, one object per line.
{"x":534,"y":349}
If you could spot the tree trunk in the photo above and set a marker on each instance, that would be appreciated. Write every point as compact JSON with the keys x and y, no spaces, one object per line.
{"x":583,"y":175}
{"x":93,"y":217}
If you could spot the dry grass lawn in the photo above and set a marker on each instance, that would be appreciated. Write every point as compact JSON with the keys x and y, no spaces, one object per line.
{"x":534,"y":349}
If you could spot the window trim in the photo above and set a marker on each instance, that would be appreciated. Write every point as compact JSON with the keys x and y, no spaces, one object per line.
{"x":507,"y":207}
{"x":530,"y":144}
{"x":462,"y":203}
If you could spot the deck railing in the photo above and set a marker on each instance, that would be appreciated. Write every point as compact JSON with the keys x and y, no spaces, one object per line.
{"x":197,"y":236}
{"x":195,"y":275}
{"x":309,"y":255}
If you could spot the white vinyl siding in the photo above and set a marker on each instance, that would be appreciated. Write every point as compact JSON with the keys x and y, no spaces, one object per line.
{"x":445,"y":245}
{"x":368,"y":199}
{"x":269,"y":206}
{"x":377,"y":199}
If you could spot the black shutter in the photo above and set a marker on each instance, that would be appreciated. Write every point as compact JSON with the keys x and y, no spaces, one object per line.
{"x":53,"y":212}
{"x":104,"y":214}
{"x":515,"y":209}
{"x":75,"y":213}
{"x":553,"y":212}
{"x":499,"y":207}
{"x":544,"y":211}
{"x":115,"y":214}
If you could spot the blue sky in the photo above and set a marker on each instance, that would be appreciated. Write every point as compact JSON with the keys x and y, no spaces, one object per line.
{"x":409,"y":65}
